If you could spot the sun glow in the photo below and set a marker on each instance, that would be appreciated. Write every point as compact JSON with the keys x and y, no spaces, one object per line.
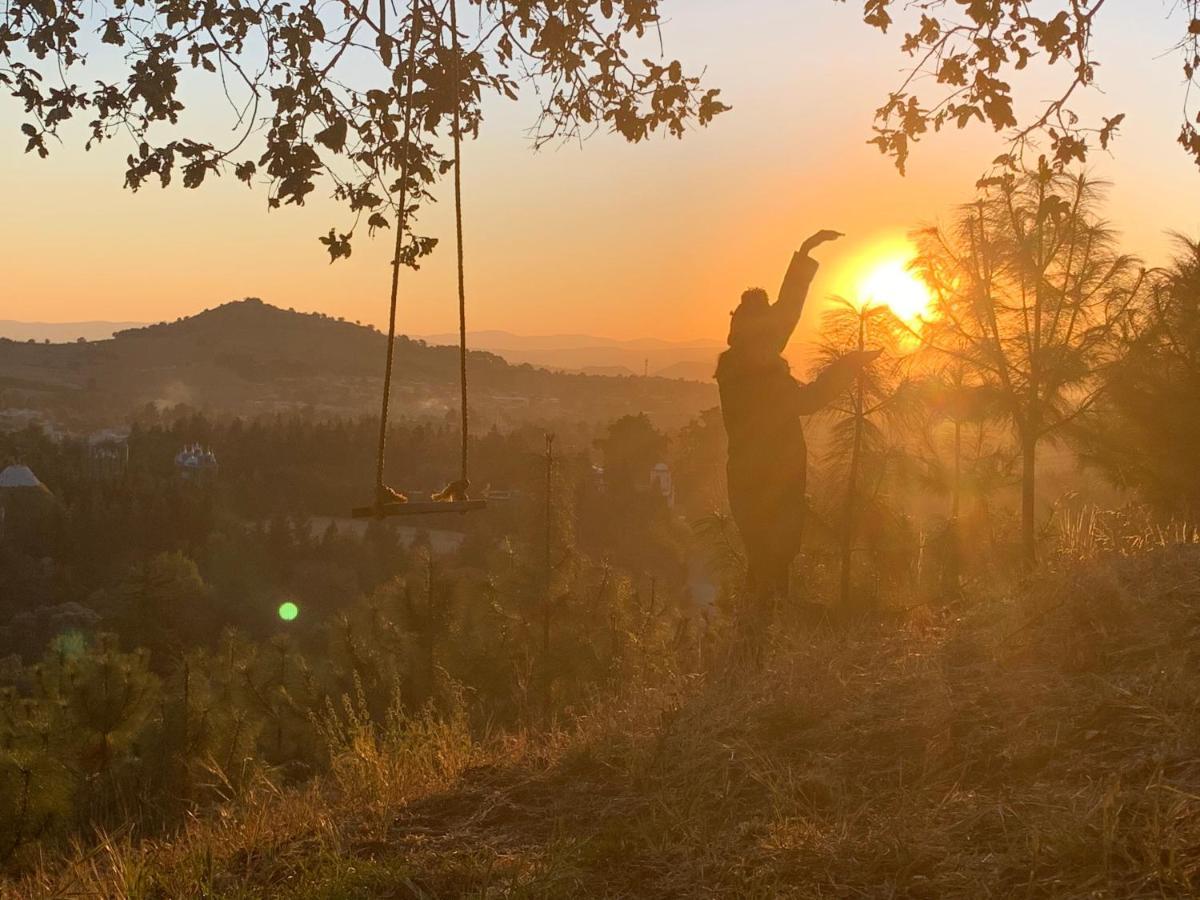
{"x":890,"y":283}
{"x":876,"y":272}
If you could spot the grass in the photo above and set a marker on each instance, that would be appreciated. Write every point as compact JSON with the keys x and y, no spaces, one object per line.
{"x":1044,"y":744}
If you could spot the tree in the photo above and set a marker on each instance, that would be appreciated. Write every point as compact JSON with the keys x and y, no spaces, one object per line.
{"x":362,"y":97}
{"x":972,"y":57}
{"x":860,"y":438}
{"x":631,"y":448}
{"x":1032,"y":294}
{"x":698,"y":463}
{"x":961,"y":449}
{"x":952,"y":398}
{"x":102,"y":700}
{"x":1140,"y":435}
{"x":163,"y":605}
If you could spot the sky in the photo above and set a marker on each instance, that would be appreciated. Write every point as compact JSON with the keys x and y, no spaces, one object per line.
{"x":650,"y":240}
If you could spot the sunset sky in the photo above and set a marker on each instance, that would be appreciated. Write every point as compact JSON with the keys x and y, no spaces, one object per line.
{"x":655,"y":239}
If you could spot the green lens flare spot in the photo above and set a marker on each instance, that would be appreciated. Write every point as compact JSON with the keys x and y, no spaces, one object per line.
{"x":288,"y":611}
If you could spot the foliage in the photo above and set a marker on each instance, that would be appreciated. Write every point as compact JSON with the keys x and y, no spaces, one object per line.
{"x":96,"y":737}
{"x":394,"y":644}
{"x":1139,"y":434}
{"x":338,"y":91}
{"x":867,"y":760}
{"x":1032,"y":295}
{"x":630,"y":449}
{"x":864,"y":448}
{"x":960,"y":449}
{"x":166,"y":604}
{"x":698,"y":463}
{"x":973,"y":57}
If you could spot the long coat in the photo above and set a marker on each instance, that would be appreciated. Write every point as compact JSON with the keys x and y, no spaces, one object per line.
{"x":761,"y":404}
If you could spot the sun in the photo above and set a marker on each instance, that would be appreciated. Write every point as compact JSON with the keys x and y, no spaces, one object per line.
{"x":890,"y":283}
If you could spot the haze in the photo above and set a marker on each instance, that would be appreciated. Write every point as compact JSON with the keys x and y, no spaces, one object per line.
{"x":606,"y":238}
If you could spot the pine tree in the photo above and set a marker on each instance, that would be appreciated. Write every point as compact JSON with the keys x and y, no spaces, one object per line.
{"x":1032,"y":294}
{"x":864,"y":447}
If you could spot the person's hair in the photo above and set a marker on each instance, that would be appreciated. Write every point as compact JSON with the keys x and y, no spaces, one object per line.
{"x":755,"y":298}
{"x":753,"y":307}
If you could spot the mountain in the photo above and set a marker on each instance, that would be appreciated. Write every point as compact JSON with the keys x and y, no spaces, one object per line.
{"x":700,"y":370}
{"x":589,"y":353}
{"x":248,"y":357}
{"x":60,"y":332}
{"x":506,"y":340}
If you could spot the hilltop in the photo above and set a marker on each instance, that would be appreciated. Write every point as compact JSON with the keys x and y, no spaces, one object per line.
{"x":249,"y":357}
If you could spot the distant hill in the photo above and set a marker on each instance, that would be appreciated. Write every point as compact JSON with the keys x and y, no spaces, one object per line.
{"x":249,"y":357}
{"x":701,"y":370}
{"x":506,"y":340}
{"x":61,"y":332}
{"x":589,"y":353}
{"x":609,"y":371}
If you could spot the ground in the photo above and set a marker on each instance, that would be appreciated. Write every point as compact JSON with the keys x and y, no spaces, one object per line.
{"x":1043,"y":742}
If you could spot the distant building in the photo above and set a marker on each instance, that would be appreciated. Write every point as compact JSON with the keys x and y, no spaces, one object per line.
{"x":23,"y":500}
{"x":17,"y":477}
{"x":196,"y":461}
{"x":107,"y":453}
{"x":661,"y":481}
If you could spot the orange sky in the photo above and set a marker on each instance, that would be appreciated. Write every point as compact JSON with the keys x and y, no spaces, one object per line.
{"x":611,"y":239}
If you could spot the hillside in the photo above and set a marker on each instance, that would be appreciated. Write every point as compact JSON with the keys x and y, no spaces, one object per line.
{"x":700,"y":370}
{"x":250,"y":357}
{"x":692,"y":360}
{"x":1045,"y":744}
{"x":507,"y":340}
{"x":62,"y":331}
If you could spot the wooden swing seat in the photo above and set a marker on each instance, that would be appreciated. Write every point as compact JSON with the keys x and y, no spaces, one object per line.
{"x":417,"y":508}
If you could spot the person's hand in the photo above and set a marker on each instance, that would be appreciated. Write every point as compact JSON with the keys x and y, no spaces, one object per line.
{"x":821,"y":237}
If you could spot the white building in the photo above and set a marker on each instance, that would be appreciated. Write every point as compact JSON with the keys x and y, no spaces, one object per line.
{"x":20,"y":477}
{"x":196,"y":460}
{"x":661,"y":481}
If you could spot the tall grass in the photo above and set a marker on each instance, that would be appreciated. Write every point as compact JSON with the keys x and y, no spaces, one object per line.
{"x":375,"y":766}
{"x":1040,"y":744}
{"x":1088,"y":531}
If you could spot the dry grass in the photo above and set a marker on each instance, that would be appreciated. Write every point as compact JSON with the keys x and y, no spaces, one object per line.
{"x":1040,"y":746}
{"x":1088,"y":531}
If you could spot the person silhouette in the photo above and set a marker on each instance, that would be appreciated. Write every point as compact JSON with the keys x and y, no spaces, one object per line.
{"x":761,"y":404}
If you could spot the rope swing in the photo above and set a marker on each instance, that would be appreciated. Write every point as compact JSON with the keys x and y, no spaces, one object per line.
{"x":452,"y":498}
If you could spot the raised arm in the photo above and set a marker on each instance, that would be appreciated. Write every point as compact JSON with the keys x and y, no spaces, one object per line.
{"x":794,"y":291}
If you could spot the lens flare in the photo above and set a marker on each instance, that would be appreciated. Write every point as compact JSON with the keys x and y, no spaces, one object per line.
{"x":288,"y":611}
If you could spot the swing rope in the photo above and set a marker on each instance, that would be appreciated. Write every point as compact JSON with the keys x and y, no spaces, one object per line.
{"x":458,"y":229}
{"x":381,"y":490}
{"x":383,"y":494}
